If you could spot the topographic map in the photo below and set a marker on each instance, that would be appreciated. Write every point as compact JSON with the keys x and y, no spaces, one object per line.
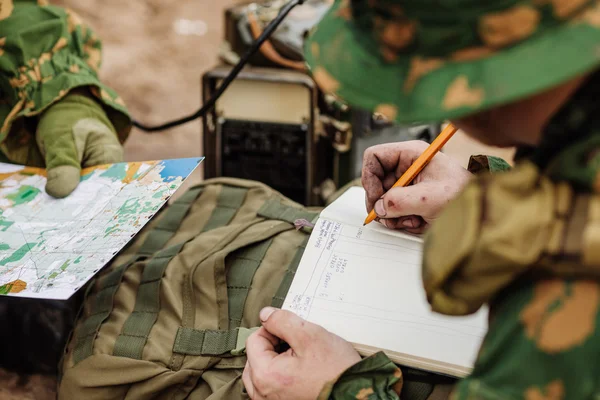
{"x":50,"y":247}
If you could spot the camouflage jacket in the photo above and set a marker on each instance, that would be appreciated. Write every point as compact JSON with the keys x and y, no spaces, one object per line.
{"x":542,"y":341}
{"x":45,"y":52}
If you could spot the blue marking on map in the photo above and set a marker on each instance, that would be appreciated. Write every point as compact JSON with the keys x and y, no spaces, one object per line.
{"x":181,"y":167}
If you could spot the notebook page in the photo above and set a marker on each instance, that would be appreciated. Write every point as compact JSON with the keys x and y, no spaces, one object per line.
{"x":350,"y":208}
{"x":365,"y":286}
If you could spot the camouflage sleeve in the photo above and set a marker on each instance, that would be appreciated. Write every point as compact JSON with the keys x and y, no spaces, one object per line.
{"x":483,"y":163}
{"x":542,"y":343}
{"x":45,"y":52}
{"x":375,"y":377}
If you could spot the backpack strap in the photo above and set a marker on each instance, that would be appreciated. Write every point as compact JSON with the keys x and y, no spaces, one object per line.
{"x":233,"y":341}
{"x":241,"y":272}
{"x":239,"y":279}
{"x":107,"y":286}
{"x":99,"y":311}
{"x":132,"y":339}
{"x":134,"y":336}
{"x":274,"y":209}
{"x":197,"y":342}
{"x":169,"y":224}
{"x":290,"y":271}
{"x":229,"y":201}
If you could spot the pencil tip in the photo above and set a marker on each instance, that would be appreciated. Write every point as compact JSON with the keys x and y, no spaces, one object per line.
{"x":364,"y":224}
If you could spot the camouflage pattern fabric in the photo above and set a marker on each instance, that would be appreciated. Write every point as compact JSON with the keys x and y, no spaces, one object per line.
{"x":374,"y":377}
{"x":529,"y":246}
{"x":483,"y":163}
{"x":427,"y":60}
{"x":45,"y":53}
{"x":542,"y":344}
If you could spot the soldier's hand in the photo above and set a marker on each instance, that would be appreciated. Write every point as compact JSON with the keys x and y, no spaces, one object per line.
{"x":413,"y":207}
{"x":74,"y":133}
{"x":316,"y":356}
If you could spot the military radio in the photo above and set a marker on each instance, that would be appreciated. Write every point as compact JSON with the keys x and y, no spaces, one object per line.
{"x":264,"y":128}
{"x":264,"y":119}
{"x":274,"y":125}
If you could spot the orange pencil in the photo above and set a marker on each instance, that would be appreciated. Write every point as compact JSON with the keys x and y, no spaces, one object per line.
{"x":420,"y":163}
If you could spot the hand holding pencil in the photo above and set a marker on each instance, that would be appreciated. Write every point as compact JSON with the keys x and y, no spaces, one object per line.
{"x":388,"y":171}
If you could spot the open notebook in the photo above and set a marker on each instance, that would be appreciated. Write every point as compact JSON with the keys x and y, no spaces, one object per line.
{"x":364,"y":284}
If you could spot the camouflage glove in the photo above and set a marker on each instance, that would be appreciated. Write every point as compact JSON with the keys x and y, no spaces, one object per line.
{"x":74,"y":133}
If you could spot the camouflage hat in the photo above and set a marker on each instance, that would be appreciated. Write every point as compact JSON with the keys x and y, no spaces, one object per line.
{"x":431,"y":60}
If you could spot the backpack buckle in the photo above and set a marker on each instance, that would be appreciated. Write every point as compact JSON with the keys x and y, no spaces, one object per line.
{"x":242,"y":335}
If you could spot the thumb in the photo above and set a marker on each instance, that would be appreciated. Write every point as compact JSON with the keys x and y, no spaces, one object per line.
{"x":403,"y":201}
{"x":286,"y":325}
{"x":101,"y":142}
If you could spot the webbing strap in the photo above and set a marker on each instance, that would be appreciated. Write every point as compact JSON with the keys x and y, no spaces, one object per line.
{"x":130,"y":343}
{"x":134,"y":336}
{"x":229,"y":201}
{"x":169,"y":224}
{"x":274,"y":209}
{"x":239,"y":278}
{"x":196,"y":342}
{"x":286,"y":282}
{"x":108,"y":285}
{"x":103,"y":302}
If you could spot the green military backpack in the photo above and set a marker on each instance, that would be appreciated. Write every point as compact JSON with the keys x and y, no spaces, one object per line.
{"x":168,"y":318}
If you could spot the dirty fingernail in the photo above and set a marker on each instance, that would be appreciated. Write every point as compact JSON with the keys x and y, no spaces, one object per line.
{"x":265,"y":313}
{"x":379,"y":208}
{"x":408,"y":223}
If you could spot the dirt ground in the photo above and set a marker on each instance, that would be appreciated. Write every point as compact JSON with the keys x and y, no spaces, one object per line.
{"x":157,"y":72}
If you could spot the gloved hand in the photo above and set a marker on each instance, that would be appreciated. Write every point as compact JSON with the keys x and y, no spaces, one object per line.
{"x":73,"y":133}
